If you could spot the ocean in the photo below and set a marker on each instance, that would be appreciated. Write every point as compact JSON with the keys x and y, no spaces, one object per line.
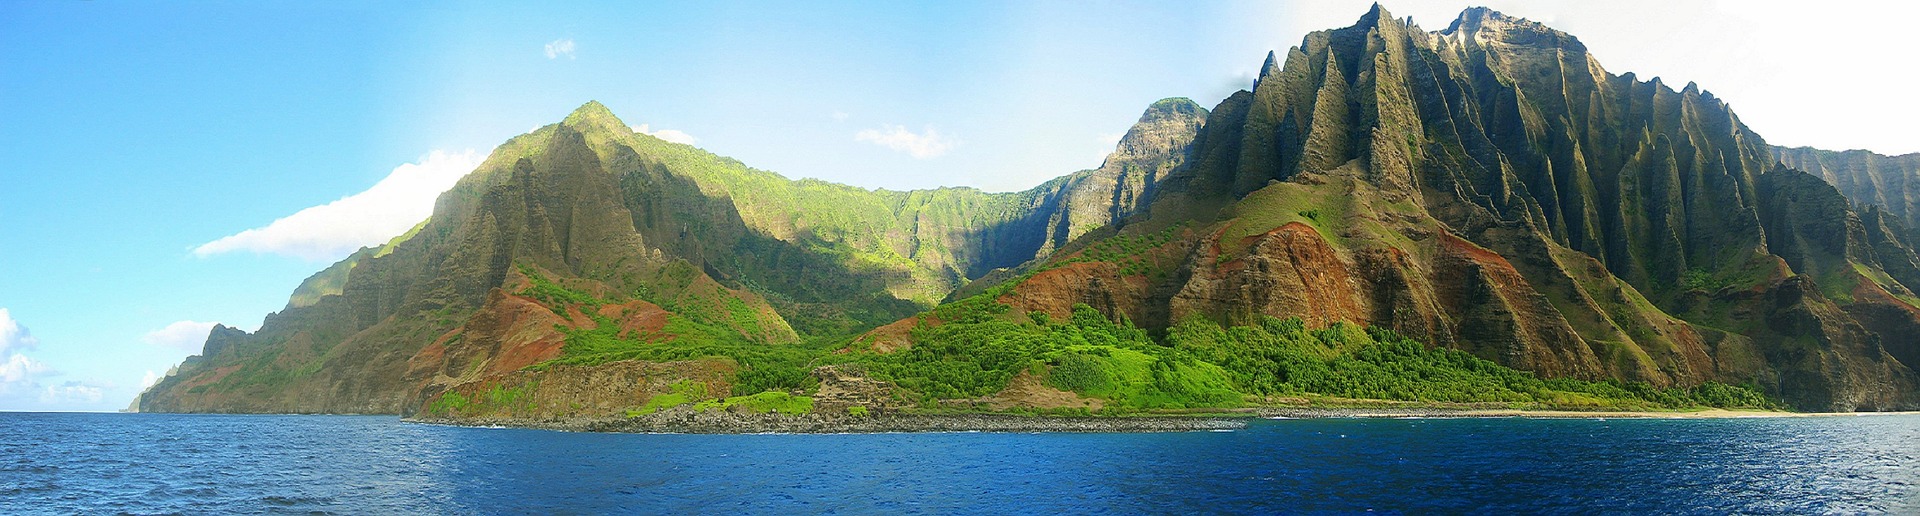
{"x":59,"y":463}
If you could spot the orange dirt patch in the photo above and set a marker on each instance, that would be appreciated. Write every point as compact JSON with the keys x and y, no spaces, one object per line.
{"x":1027,"y":391}
{"x":894,"y":336}
{"x":637,"y":318}
{"x":525,"y":333}
{"x":1055,"y":291}
{"x":1473,"y":251}
{"x":215,"y":376}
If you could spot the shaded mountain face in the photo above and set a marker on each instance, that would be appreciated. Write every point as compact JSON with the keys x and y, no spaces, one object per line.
{"x":1491,"y":188}
{"x":694,"y":247}
{"x":1889,"y":185}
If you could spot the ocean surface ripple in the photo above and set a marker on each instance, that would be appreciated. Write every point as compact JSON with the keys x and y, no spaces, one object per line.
{"x":196,"y":464}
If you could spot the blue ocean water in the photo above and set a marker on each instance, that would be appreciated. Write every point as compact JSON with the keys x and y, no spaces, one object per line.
{"x":152,"y":463}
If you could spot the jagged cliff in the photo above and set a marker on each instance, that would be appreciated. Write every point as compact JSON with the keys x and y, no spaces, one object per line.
{"x":1490,"y":187}
{"x":699,"y":246}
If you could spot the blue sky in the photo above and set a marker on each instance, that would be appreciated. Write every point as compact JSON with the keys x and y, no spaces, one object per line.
{"x":159,"y":156}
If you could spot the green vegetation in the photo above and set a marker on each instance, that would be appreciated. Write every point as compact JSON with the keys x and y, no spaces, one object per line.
{"x":763,"y":367}
{"x":762,"y":403}
{"x":1280,"y":356}
{"x":554,"y":295}
{"x":499,"y":399}
{"x":975,"y":346}
{"x":680,"y":393}
{"x":450,"y":403}
{"x":1133,"y":253}
{"x":1200,"y":364}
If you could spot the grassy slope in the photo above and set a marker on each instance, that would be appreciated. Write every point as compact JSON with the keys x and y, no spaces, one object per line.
{"x":1196,"y":364}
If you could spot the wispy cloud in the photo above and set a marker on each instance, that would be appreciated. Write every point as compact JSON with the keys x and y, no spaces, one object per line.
{"x":672,"y":135}
{"x":72,"y":392}
{"x":925,"y":145}
{"x":182,"y":335}
{"x":560,"y":48}
{"x":332,"y":231}
{"x":839,"y":116}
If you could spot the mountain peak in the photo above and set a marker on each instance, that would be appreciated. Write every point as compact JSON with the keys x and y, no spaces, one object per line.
{"x":594,"y":114}
{"x":1484,"y":24}
{"x":1477,"y":15}
{"x":1173,"y":107}
{"x":1374,"y":15}
{"x":1272,"y":66}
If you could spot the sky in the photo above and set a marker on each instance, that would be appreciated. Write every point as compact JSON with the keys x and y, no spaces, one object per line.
{"x":169,"y":166}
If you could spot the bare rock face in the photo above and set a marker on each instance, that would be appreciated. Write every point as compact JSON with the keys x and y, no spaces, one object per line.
{"x":1287,"y":270}
{"x":1026,"y":391}
{"x":566,"y":390}
{"x":1123,"y":184}
{"x":845,"y":386}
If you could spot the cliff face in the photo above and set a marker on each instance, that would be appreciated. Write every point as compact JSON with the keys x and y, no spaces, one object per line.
{"x":698,"y":247}
{"x":1889,"y":183}
{"x":1490,"y":187}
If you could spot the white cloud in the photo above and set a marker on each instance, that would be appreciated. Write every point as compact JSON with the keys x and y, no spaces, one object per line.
{"x":17,"y":371}
{"x":182,"y":335}
{"x":672,"y":135}
{"x":13,"y":336}
{"x":73,"y":392}
{"x":24,"y":381}
{"x":560,"y":47}
{"x":921,"y":146}
{"x":332,"y":231}
{"x":839,"y":116}
{"x":149,"y":379}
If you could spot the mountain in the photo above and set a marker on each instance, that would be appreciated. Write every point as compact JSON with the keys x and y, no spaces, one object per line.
{"x":1477,"y":214}
{"x":697,"y":247}
{"x":1491,"y":188}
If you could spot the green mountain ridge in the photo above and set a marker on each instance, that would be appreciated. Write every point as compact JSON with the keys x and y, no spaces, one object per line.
{"x":599,"y":207}
{"x":1488,"y":190}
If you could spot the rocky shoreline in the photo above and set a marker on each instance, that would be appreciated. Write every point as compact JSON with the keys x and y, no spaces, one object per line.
{"x":684,"y":421}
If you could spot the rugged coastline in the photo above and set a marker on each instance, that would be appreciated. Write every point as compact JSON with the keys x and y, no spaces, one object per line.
{"x":687,"y":421}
